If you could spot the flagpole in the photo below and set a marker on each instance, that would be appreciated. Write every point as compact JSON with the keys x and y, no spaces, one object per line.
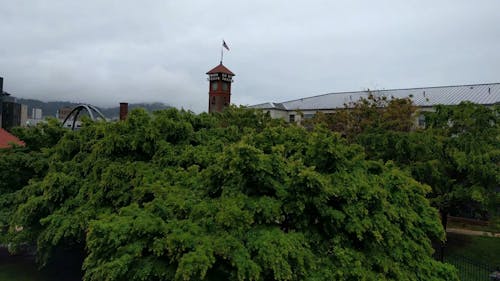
{"x":221,"y":52}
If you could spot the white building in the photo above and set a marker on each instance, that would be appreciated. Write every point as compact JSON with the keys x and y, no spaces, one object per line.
{"x":36,"y":117}
{"x":424,"y":98}
{"x":36,"y":113}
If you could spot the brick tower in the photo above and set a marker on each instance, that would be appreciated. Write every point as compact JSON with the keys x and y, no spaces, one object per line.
{"x":219,"y":92}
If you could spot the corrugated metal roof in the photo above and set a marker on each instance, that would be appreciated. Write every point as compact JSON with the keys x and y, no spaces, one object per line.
{"x":486,"y":94}
{"x":263,"y":105}
{"x":269,"y":105}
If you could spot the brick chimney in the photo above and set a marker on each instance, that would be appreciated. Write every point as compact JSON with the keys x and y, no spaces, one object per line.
{"x":123,"y":110}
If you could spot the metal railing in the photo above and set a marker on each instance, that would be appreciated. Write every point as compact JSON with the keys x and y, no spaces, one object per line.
{"x":472,"y":270}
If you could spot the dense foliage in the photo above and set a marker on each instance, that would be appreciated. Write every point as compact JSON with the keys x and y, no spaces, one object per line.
{"x":369,"y":115}
{"x":21,"y":164}
{"x":468,"y":174}
{"x":457,"y":153}
{"x":233,"y":196}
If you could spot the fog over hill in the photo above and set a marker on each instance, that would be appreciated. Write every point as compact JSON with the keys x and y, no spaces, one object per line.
{"x":50,"y":108}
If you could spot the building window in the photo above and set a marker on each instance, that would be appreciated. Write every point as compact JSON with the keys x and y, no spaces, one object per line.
{"x":213,"y":100}
{"x":215,"y":85}
{"x":309,"y":116}
{"x":291,"y":118}
{"x":225,"y":87}
{"x":421,"y":120}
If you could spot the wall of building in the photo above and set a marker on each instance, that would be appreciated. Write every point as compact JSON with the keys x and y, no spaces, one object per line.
{"x":11,"y":115}
{"x":218,"y":102}
{"x":36,"y":113}
{"x":62,"y":113}
{"x":24,"y":115}
{"x":275,"y":114}
{"x":298,"y":116}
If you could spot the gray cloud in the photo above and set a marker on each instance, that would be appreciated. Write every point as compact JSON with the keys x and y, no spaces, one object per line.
{"x":104,"y":52}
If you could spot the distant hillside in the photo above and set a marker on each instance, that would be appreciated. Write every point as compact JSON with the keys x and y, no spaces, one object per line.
{"x":115,"y":111}
{"x":50,"y":108}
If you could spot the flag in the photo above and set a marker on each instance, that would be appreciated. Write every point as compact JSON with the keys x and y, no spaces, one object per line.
{"x":225,"y":45}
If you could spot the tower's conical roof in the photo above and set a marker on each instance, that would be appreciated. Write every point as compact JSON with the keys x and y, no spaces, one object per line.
{"x":220,"y":69}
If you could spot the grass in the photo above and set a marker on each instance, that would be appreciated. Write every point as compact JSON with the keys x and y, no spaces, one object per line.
{"x":480,"y":248}
{"x":20,"y":271}
{"x":475,"y":257}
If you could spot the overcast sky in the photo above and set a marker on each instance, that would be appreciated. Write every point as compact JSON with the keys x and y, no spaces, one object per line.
{"x":104,"y":52}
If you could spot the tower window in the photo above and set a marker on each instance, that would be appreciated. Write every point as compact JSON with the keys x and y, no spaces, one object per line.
{"x":215,"y":85}
{"x":213,"y":100}
{"x":225,"y":87}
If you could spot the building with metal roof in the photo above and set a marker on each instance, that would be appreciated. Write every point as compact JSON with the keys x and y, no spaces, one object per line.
{"x":427,"y":98}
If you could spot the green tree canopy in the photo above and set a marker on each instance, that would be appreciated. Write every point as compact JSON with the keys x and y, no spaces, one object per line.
{"x":231,"y":196}
{"x":19,"y":165}
{"x":457,"y":153}
{"x":369,"y":115}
